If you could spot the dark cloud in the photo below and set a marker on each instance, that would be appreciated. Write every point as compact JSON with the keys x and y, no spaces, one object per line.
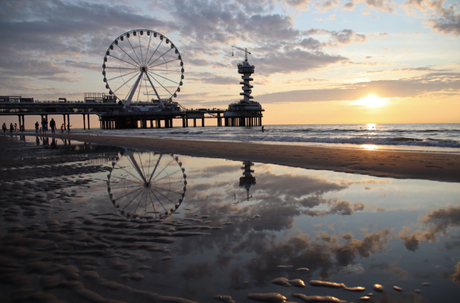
{"x":411,"y":241}
{"x":443,"y":20}
{"x":447,"y":22}
{"x":443,"y":218}
{"x":380,"y":5}
{"x":436,"y":221}
{"x":349,"y":6}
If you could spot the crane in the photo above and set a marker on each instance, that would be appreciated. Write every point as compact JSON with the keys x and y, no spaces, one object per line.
{"x":245,"y":50}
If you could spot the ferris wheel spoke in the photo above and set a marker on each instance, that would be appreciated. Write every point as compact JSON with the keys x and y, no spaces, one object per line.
{"x":158,"y":188}
{"x":122,"y":60}
{"x":165,"y":176}
{"x":161,"y":63}
{"x":141,"y":164}
{"x":138,"y":203}
{"x":148,"y":48}
{"x":155,"y":179}
{"x":125,"y":82}
{"x":127,"y":194}
{"x":122,"y":75}
{"x":140,"y":48}
{"x":134,"y":198}
{"x":151,"y":201}
{"x":136,"y":166}
{"x":158,"y":200}
{"x":162,"y":195}
{"x":132,"y":175}
{"x":155,"y":168}
{"x":161,"y":56}
{"x":163,"y":77}
{"x":161,"y":84}
{"x":119,"y":68}
{"x":135,"y":53}
{"x":154,"y":52}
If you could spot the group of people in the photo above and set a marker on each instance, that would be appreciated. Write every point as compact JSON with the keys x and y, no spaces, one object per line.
{"x":43,"y":129}
{"x":13,"y":128}
{"x":52,"y":124}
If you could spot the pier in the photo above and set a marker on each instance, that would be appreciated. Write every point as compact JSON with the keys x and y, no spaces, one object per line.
{"x":112,"y":115}
{"x":143,"y":91}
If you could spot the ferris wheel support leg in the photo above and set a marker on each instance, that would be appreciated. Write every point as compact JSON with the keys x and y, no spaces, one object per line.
{"x":131,"y":94}
{"x":156,"y":93}
{"x":136,"y":166}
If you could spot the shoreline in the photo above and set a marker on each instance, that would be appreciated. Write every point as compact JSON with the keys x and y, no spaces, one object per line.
{"x":394,"y":164}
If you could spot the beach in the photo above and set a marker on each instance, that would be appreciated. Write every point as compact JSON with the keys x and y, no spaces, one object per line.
{"x":153,"y":220}
{"x":395,"y":164}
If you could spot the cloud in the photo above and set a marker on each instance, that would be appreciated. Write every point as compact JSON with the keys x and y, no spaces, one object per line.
{"x":349,"y":6}
{"x":446,"y":21}
{"x":401,"y":88}
{"x":441,"y":19}
{"x":436,"y":221}
{"x":345,"y":254}
{"x":386,"y":6}
{"x":456,"y":274}
{"x":443,"y":218}
{"x":294,"y":61}
{"x":411,"y":241}
{"x":325,"y":5}
{"x":299,"y":4}
{"x":346,"y":208}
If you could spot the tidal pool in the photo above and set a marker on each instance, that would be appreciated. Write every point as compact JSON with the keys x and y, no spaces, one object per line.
{"x":88,"y":223}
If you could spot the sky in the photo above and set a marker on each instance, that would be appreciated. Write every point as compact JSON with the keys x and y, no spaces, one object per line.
{"x":316,"y":62}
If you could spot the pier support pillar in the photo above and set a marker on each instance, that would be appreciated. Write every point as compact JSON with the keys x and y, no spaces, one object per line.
{"x":64,"y":121}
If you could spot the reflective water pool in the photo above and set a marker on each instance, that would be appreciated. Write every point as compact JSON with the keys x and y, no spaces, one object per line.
{"x":89,"y":223}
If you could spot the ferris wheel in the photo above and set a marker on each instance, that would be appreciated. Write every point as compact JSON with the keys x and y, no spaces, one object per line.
{"x":146,"y":185}
{"x":143,"y":66}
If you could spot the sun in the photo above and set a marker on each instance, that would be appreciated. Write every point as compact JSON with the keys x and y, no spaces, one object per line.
{"x":371,"y":101}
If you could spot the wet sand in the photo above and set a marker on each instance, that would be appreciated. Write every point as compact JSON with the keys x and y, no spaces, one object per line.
{"x":427,"y":166}
{"x":61,"y":240}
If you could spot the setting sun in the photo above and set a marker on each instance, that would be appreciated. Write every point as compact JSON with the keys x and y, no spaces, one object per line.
{"x":371,"y":101}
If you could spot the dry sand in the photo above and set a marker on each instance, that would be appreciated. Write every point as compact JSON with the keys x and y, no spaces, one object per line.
{"x":428,"y":166}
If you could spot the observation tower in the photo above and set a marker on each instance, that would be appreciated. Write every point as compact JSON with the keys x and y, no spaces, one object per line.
{"x":246,"y":112}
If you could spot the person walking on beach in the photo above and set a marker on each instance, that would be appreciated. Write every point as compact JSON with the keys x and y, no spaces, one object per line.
{"x":62,"y":128}
{"x":4,"y":127}
{"x":43,"y":126}
{"x":53,"y":125}
{"x":36,"y":127}
{"x":15,"y":127}
{"x":11,"y":128}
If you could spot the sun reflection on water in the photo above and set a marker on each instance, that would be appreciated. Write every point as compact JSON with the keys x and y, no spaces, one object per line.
{"x":369,"y":146}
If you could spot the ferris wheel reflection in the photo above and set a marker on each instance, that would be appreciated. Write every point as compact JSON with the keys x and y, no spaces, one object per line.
{"x":146,"y":185}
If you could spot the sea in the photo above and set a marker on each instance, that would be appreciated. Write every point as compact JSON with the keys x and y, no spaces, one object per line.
{"x":443,"y":138}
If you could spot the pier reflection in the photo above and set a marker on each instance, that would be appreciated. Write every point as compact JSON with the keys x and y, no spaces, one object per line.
{"x":248,"y":179}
